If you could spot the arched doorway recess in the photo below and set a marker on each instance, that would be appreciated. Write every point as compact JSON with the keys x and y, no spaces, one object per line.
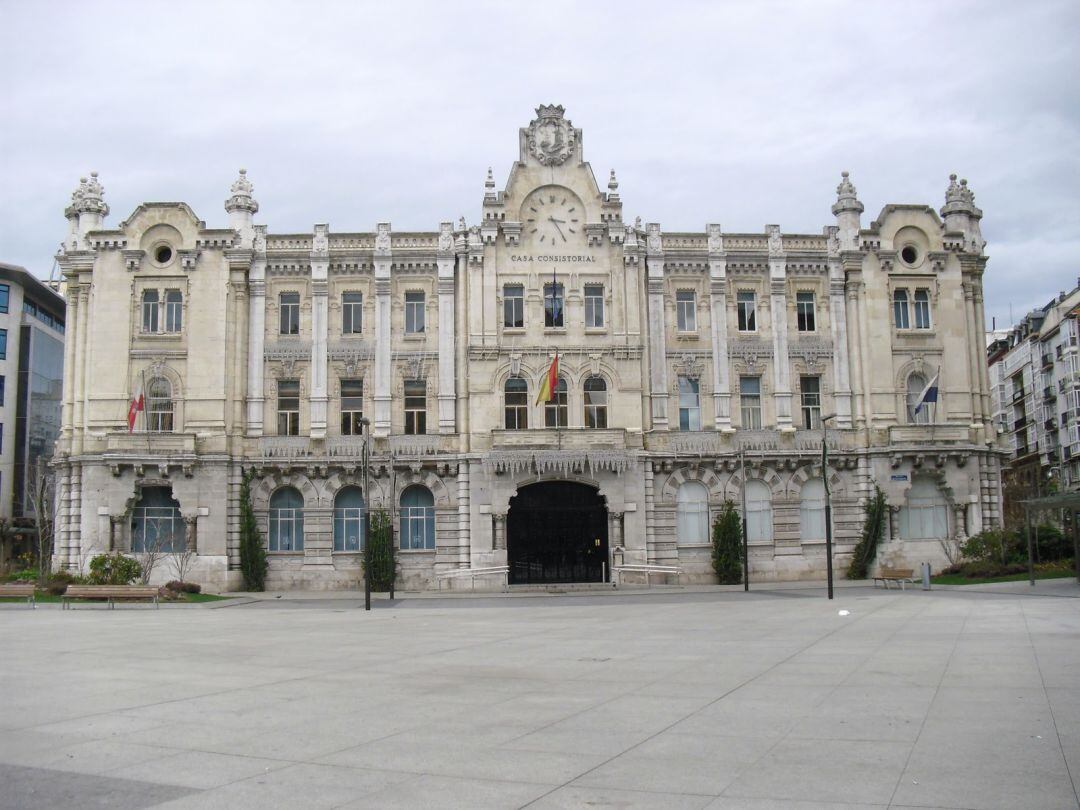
{"x":556,"y":531}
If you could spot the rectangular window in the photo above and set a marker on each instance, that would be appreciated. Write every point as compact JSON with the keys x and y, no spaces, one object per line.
{"x":5,"y":294}
{"x":3,"y":344}
{"x":900,"y":309}
{"x":415,"y":407}
{"x":150,"y":311}
{"x":1,"y":390}
{"x":352,"y":407}
{"x":414,"y":313}
{"x":594,"y":306}
{"x":689,"y":404}
{"x":352,"y":309}
{"x":746,"y":303}
{"x":804,"y":307}
{"x":811,"y":402}
{"x":922,"y":309}
{"x":290,"y":313}
{"x":513,"y":306}
{"x":174,"y":310}
{"x":686,"y":310}
{"x":553,"y":306}
{"x":750,"y":399}
{"x":288,"y":408}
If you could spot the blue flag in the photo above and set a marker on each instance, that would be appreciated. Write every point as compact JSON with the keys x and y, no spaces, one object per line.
{"x":929,"y":394}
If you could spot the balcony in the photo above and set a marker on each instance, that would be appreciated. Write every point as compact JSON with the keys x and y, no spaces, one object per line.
{"x":146,"y":443}
{"x":1018,"y":394}
{"x":1050,"y":424}
{"x":568,"y":438}
{"x":1047,"y":360}
{"x":1020,"y":423}
{"x":924,"y":434}
{"x":1048,"y":394}
{"x":1052,"y":455}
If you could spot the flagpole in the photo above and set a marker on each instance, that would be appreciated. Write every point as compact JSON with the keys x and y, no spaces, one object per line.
{"x":145,"y":410}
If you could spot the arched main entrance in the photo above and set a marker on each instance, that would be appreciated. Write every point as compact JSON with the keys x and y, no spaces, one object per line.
{"x":556,"y":531}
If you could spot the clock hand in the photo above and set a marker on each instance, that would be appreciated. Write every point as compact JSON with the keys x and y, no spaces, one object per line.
{"x":556,"y":223}
{"x":563,"y":221}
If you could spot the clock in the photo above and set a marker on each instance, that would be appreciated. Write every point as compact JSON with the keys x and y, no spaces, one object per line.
{"x":552,"y":216}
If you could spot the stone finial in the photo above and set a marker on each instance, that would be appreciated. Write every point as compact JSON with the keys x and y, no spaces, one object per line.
{"x":241,"y":199}
{"x":461,"y":224}
{"x":612,"y":183}
{"x":87,"y":198}
{"x":489,"y":187}
{"x":960,"y":214}
{"x":846,"y":199}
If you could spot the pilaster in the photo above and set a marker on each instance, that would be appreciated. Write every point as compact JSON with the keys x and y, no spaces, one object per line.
{"x":718,"y":309}
{"x":658,"y":388}
{"x":383,"y":381}
{"x":447,"y":332}
{"x":256,"y":334}
{"x":838,"y":319}
{"x":778,"y":300}
{"x":320,"y":265}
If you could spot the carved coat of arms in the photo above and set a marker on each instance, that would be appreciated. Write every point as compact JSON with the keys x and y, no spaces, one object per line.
{"x":551,"y":137}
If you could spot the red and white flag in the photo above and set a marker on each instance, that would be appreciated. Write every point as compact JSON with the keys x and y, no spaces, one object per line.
{"x":137,"y":403}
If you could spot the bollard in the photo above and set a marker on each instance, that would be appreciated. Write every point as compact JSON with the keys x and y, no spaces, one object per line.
{"x":926,"y":576}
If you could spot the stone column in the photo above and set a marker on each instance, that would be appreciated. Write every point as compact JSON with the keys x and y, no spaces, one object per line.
{"x":841,"y":370}
{"x":447,"y":332}
{"x":718,"y":310}
{"x":855,"y":351}
{"x":256,"y":333}
{"x":320,"y":266}
{"x":499,"y":532}
{"x":72,"y":338}
{"x":658,"y":388}
{"x":79,"y":390}
{"x":975,"y":358}
{"x":778,"y":300}
{"x":383,"y":373}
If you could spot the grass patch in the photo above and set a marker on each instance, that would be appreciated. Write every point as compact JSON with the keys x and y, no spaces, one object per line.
{"x":957,"y":579}
{"x":46,"y":598}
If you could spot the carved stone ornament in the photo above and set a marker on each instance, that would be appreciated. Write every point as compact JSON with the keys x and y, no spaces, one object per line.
{"x":716,"y":239}
{"x":551,"y":136}
{"x":776,"y":242}
{"x":446,"y":237}
{"x":382,"y":237}
{"x":689,"y":366}
{"x":653,"y":242}
{"x":320,"y":242}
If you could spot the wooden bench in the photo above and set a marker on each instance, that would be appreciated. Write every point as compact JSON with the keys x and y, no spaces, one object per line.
{"x":20,"y":589}
{"x":899,"y":575}
{"x":111,"y":592}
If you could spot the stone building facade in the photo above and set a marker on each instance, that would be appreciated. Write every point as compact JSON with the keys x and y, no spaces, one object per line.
{"x":692,"y":365}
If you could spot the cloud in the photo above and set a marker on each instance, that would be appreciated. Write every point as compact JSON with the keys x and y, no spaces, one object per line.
{"x":739,"y":112}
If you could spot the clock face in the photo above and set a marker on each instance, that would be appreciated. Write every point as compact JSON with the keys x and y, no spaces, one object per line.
{"x":552,"y":216}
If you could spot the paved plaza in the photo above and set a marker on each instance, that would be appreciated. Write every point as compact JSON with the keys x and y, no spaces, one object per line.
{"x":671,"y":699}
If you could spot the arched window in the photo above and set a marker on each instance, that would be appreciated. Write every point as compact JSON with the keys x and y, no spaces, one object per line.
{"x":555,"y":412}
{"x":286,"y":520}
{"x":349,"y":520}
{"x":595,"y":403}
{"x":156,"y":524}
{"x":159,"y":406}
{"x":915,"y":385}
{"x":925,"y":514}
{"x":758,"y":512}
{"x":812,"y":511}
{"x":417,"y":518}
{"x":516,"y":401}
{"x":692,"y":513}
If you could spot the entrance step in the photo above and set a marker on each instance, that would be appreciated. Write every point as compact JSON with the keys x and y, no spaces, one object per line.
{"x":561,"y":587}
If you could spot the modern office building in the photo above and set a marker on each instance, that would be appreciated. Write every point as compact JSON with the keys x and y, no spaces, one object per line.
{"x":693,"y":367}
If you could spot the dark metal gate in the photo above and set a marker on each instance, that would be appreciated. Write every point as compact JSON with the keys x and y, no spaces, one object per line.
{"x":557,"y":532}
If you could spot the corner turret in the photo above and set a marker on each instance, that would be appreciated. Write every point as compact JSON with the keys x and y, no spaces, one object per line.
{"x":847,"y":211}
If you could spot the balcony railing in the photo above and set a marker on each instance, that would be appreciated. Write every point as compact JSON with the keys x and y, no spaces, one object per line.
{"x":1050,"y":424}
{"x":1049,"y":394}
{"x":148,"y":443}
{"x":1047,"y":360}
{"x":1020,"y":423}
{"x":1018,"y":394}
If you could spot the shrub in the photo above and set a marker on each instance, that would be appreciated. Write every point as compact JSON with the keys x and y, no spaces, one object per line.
{"x":993,"y":545}
{"x":183,"y":587}
{"x":59,"y":581}
{"x":253,"y":562}
{"x":873,"y":529}
{"x":379,"y":552}
{"x":727,"y":545}
{"x":26,"y":575}
{"x":114,"y":569}
{"x":1052,"y":545}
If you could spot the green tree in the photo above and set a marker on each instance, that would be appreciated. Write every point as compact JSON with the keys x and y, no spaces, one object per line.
{"x":252,"y":551}
{"x":873,"y":529}
{"x":379,"y":551}
{"x":727,"y":545}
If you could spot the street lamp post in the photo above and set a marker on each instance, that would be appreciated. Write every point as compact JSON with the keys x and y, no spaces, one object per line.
{"x":828,"y":499}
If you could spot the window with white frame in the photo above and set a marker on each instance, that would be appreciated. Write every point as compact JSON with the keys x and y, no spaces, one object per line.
{"x":746,"y":307}
{"x":750,"y":402}
{"x":349,"y":520}
{"x":513,"y":306}
{"x":594,"y":306}
{"x":812,"y":510}
{"x":289,"y":314}
{"x":554,"y":306}
{"x":414,"y":312}
{"x":922,"y":309}
{"x":151,"y":303}
{"x":689,"y":404}
{"x":556,"y":411}
{"x":516,"y":404}
{"x":916,"y":383}
{"x":352,"y":313}
{"x":901,"y":318}
{"x":352,"y":407}
{"x":156,"y":523}
{"x":686,"y":310}
{"x":924,"y":515}
{"x":692,"y":514}
{"x":417,"y":518}
{"x":286,"y":520}
{"x":159,"y":406}
{"x":805,"y":311}
{"x":595,"y":403}
{"x":288,"y":407}
{"x":759,"y":517}
{"x":162,"y":314}
{"x":174,"y":310}
{"x":415,"y":407}
{"x":810,"y":388}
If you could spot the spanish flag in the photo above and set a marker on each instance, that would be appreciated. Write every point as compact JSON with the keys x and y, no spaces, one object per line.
{"x":551,"y":382}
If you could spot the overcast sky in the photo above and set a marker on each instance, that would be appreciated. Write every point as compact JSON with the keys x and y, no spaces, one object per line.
{"x":742,"y":113}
